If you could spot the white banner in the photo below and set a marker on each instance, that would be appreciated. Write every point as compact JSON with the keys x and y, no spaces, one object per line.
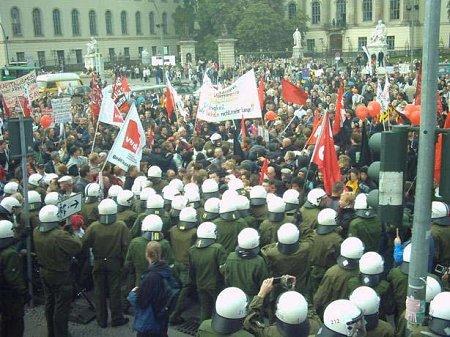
{"x":109,"y":112}
{"x":23,"y":86}
{"x":127,"y":148}
{"x":61,"y":110}
{"x":234,"y":102}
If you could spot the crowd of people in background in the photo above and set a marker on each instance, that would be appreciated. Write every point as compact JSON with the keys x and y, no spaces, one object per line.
{"x":268,"y":254}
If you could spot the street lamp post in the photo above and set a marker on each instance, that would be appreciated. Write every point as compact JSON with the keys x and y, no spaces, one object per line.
{"x":5,"y":38}
{"x":161,"y":37}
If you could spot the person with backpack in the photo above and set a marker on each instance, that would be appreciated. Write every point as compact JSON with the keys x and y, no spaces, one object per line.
{"x":155,"y":298}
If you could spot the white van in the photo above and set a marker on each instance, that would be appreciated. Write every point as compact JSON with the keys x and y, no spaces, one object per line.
{"x":53,"y":83}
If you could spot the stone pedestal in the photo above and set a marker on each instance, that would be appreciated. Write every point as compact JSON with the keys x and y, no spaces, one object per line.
{"x":226,"y":52}
{"x":187,"y":51}
{"x":3,"y":52}
{"x":297,"y":52}
{"x":378,"y":52}
{"x":95,"y":61}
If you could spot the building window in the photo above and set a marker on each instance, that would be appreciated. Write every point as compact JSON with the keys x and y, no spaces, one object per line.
{"x":126,"y":53}
{"x":75,"y":23}
{"x":315,"y":12}
{"x":15,"y":21}
{"x":20,"y":56}
{"x":92,"y":23}
{"x":362,"y":41}
{"x":41,"y":58}
{"x":108,"y":22}
{"x":310,"y":45}
{"x":140,"y":50}
{"x":112,"y":54}
{"x":166,"y":50}
{"x":123,"y":22}
{"x":79,"y":56}
{"x":57,"y":22}
{"x":292,"y":10}
{"x":154,"y":51}
{"x":367,"y":10}
{"x":37,"y":22}
{"x":164,"y":23}
{"x":138,"y":23}
{"x":390,"y":40}
{"x":341,"y":13}
{"x":394,"y":11}
{"x":151,"y":18}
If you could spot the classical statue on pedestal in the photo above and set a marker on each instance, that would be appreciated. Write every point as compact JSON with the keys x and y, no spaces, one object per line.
{"x":297,"y":36}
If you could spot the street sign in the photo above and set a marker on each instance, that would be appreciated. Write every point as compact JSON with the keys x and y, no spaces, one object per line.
{"x":69,"y":206}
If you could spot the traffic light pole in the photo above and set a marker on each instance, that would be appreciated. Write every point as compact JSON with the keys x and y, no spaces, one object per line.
{"x":418,"y":267}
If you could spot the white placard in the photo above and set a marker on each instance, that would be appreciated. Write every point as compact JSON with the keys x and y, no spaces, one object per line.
{"x":61,"y":110}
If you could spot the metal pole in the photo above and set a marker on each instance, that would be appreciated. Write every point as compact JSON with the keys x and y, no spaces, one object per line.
{"x":422,"y":208}
{"x":161,"y":38}
{"x":26,"y":212}
{"x":5,"y":38}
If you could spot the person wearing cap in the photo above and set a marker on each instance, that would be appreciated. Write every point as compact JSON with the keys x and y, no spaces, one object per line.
{"x":440,"y":231}
{"x":398,"y":280}
{"x":258,"y":204}
{"x":182,"y":237}
{"x":214,"y":142}
{"x":335,"y":280}
{"x":289,"y":255}
{"x":65,"y":186}
{"x":325,"y":246}
{"x":292,"y":315}
{"x":55,"y":249}
{"x":245,"y":268}
{"x":205,"y":259}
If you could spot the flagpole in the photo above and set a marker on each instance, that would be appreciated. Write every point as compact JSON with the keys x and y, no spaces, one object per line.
{"x":95,"y":135}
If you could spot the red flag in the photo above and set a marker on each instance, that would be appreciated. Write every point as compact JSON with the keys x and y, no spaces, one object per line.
{"x":417,"y":97}
{"x":169,"y":103}
{"x":95,"y":97}
{"x":261,"y":92}
{"x":324,"y":156}
{"x":264,"y":170}
{"x":25,"y":106}
{"x":292,"y":93}
{"x":315,"y":129}
{"x":6,"y":111}
{"x":438,"y":152}
{"x":120,"y":89}
{"x":338,"y":118}
{"x":125,"y":86}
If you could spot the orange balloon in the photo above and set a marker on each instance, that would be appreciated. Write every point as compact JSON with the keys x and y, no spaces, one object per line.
{"x":414,"y":116}
{"x":271,"y":116}
{"x":362,"y":112}
{"x":374,"y":108}
{"x":409,"y":108}
{"x":46,"y":121}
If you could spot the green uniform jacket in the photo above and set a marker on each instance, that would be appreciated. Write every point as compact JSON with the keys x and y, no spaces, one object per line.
{"x":295,"y":264}
{"x":254,"y":321}
{"x":127,"y":216}
{"x":137,"y":206}
{"x":108,"y":242}
{"x":181,"y":241}
{"x":325,"y":249}
{"x":251,"y":221}
{"x":227,"y":233}
{"x":259,"y":213}
{"x":268,"y":231}
{"x":54,"y":250}
{"x":12,"y":282}
{"x":309,"y":219}
{"x":441,"y":236}
{"x":159,"y":186}
{"x":384,"y":291}
{"x":383,"y":329}
{"x":368,"y":230}
{"x":135,"y":230}
{"x":204,"y":264}
{"x":205,"y":330}
{"x":90,"y":213}
{"x":246,"y":274}
{"x":333,"y":286}
{"x":399,"y":286}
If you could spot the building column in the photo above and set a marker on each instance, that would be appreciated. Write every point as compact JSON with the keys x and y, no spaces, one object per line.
{"x":226,"y":51}
{"x":351,"y":12}
{"x":187,"y":48}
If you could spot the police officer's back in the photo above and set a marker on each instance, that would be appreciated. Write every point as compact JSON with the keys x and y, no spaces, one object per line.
{"x":124,"y":203}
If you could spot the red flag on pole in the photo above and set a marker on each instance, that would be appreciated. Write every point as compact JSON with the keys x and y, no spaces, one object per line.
{"x":261,"y":92}
{"x":338,"y":118}
{"x":438,"y":152}
{"x":25,"y":106}
{"x":95,"y":97}
{"x":169,"y":103}
{"x":317,"y":121}
{"x":324,"y":156}
{"x":292,"y":93}
{"x":264,"y":170}
{"x":6,"y":111}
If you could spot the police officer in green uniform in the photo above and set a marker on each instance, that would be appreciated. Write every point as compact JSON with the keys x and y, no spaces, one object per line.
{"x":192,"y":193}
{"x":210,"y":189}
{"x":228,"y":317}
{"x":168,"y":193}
{"x":274,"y":219}
{"x":205,"y":259}
{"x":35,"y":204}
{"x":371,"y":274}
{"x":55,"y":249}
{"x":124,"y":203}
{"x":334,"y":282}
{"x":365,"y":225}
{"x":326,"y":243}
{"x":292,"y":317}
{"x":10,"y":209}
{"x":13,"y":290}
{"x":398,"y":280}
{"x":366,"y":299}
{"x":146,"y":193}
{"x":440,"y":231}
{"x":236,"y":184}
{"x":34,"y":184}
{"x":258,"y":204}
{"x":211,"y":210}
{"x":228,"y":227}
{"x":244,"y":268}
{"x":89,"y":210}
{"x":311,"y":209}
{"x":109,"y":240}
{"x":292,"y":199}
{"x":151,"y":230}
{"x":182,"y":237}
{"x":243,"y":211}
{"x":179,"y":202}
{"x":154,"y":174}
{"x":289,"y":255}
{"x":113,"y":192}
{"x":155,"y":205}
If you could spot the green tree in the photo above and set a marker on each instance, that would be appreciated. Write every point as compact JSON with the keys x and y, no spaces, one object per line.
{"x":184,"y":16}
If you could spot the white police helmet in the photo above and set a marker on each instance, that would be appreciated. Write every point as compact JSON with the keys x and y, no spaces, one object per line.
{"x":107,"y":209}
{"x":292,"y":314}
{"x":230,"y":311}
{"x":352,"y":249}
{"x":288,"y":238}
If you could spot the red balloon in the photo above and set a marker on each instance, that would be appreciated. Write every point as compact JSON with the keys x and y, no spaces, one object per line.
{"x":46,"y":121}
{"x":271,"y":116}
{"x":362,"y":112}
{"x":414,"y":116}
{"x":374,"y":108}
{"x":409,"y":108}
